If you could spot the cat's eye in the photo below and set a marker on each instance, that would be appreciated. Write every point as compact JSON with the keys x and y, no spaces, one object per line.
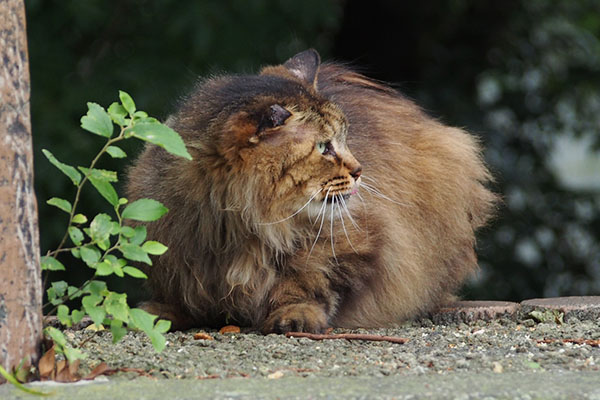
{"x":324,"y":147}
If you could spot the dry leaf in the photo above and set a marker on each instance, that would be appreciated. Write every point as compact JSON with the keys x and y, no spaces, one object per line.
{"x":46,"y":365}
{"x":98,"y":370}
{"x":60,"y":366}
{"x":74,"y":367}
{"x":203,"y":336}
{"x":94,"y":328}
{"x":230,"y":329}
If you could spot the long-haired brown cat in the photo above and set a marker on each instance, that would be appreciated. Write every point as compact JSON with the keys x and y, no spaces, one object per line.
{"x":316,"y":197}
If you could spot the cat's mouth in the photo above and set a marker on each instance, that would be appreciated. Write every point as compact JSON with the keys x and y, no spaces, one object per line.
{"x":339,"y":187}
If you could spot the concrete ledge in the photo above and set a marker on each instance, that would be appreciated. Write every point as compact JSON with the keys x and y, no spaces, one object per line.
{"x":470,"y":311}
{"x":580,"y":307}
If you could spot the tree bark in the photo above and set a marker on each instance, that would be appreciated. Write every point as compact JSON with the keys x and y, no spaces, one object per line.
{"x":20,"y":281}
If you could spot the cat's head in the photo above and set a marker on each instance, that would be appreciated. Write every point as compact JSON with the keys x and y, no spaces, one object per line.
{"x":276,"y":147}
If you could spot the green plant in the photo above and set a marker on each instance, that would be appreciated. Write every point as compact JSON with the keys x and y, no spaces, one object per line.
{"x":104,"y":243}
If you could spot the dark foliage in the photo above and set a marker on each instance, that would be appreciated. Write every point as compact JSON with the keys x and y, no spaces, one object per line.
{"x":522,"y":74}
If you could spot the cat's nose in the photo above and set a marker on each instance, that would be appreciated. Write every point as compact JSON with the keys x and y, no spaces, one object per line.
{"x":356,"y":172}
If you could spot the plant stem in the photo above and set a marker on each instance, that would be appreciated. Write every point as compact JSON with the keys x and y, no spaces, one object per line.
{"x":60,"y":249}
{"x":83,"y":181}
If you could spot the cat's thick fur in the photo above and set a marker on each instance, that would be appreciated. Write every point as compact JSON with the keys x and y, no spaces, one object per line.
{"x":316,"y":197}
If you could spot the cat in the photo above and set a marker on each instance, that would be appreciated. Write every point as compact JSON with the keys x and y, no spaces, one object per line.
{"x":316,"y":198}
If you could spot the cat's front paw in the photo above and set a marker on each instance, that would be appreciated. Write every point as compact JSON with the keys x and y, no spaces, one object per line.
{"x":302,"y":317}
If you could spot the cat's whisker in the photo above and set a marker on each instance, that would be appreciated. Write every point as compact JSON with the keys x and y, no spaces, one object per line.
{"x":345,"y":207}
{"x":375,"y":182}
{"x":297,"y":212}
{"x":344,"y":225}
{"x":331,"y":224}
{"x":323,"y":210}
{"x":375,"y":192}
{"x":369,"y":178}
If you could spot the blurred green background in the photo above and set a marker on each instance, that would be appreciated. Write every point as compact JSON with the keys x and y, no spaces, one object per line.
{"x":524,"y":75}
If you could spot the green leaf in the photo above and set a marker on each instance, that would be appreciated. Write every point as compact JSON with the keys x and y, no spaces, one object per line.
{"x":74,"y":292}
{"x":51,"y":264}
{"x":134,"y":253}
{"x":79,"y":219}
{"x":56,"y":291}
{"x":90,"y":255}
{"x":116,"y":305}
{"x":104,"y":268}
{"x":54,"y":295}
{"x":140,"y":233}
{"x":60,"y":203}
{"x":142,"y":319}
{"x":140,"y":115}
{"x":127,"y":102}
{"x":75,"y":253}
{"x":154,"y":248}
{"x":117,"y":114}
{"x":100,"y":227}
{"x":118,"y":270}
{"x":116,"y":152}
{"x":90,"y":304}
{"x":144,"y":210}
{"x":10,"y":378}
{"x":60,"y":287}
{"x":160,"y":135}
{"x":117,"y":264}
{"x":57,"y":336}
{"x":77,"y":316}
{"x":97,"y":121}
{"x":64,"y":168}
{"x":136,"y":273}
{"x":117,"y":330}
{"x":73,"y":354}
{"x":104,"y":244}
{"x":51,"y":293}
{"x":100,"y":174}
{"x":127,"y":231}
{"x":101,"y":179}
{"x":106,"y":190}
{"x":162,"y":326}
{"x":158,"y":340}
{"x":97,"y":288}
{"x":115,"y":228}
{"x":76,"y":235}
{"x":62,"y":314}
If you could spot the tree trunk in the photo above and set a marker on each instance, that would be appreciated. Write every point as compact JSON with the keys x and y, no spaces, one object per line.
{"x":20,"y":282}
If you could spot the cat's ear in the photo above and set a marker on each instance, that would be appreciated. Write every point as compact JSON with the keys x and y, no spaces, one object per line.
{"x":305,"y":65}
{"x":274,"y":116}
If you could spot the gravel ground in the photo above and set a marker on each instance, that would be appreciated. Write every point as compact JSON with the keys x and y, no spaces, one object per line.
{"x":500,"y":346}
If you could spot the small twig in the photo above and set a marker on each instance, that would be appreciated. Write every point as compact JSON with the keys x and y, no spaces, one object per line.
{"x":138,"y":371}
{"x":347,"y":336}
